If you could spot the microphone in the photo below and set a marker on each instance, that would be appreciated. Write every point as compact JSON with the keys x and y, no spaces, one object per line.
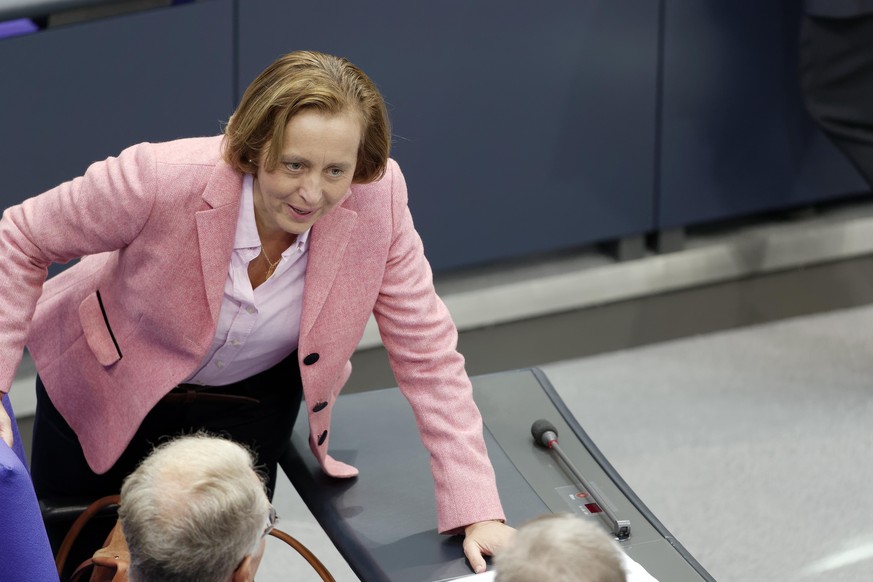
{"x":546,"y":435}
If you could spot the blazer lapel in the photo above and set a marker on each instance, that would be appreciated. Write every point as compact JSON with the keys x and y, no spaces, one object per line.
{"x":216,"y":229}
{"x":327,"y":245}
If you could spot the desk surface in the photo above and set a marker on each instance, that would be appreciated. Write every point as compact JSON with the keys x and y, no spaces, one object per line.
{"x":383,"y":522}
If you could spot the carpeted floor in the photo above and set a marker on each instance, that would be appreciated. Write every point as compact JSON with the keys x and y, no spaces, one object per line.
{"x":752,"y":446}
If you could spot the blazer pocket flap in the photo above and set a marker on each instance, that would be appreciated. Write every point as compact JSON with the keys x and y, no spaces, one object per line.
{"x":97,"y":332}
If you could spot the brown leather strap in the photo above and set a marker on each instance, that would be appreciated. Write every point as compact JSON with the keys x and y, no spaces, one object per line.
{"x":304,"y":551}
{"x":76,"y":528}
{"x":81,"y":570}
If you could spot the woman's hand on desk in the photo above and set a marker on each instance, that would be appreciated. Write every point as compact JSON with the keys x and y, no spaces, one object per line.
{"x":485,"y":538}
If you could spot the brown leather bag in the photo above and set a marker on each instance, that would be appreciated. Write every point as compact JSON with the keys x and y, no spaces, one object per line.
{"x":108,"y":564}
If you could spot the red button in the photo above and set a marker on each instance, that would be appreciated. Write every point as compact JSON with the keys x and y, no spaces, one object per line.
{"x":593,"y":507}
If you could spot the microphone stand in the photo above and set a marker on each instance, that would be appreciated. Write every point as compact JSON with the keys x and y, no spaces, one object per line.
{"x":546,"y":435}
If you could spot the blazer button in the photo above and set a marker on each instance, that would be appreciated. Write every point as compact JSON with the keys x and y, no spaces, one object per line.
{"x":311,"y":359}
{"x":321,"y":438}
{"x":319,"y":407}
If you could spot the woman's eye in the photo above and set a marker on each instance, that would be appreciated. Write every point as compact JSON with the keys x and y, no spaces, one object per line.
{"x":335,"y":172}
{"x":294,"y":166}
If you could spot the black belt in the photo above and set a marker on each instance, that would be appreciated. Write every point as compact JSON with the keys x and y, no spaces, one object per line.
{"x":188,"y":393}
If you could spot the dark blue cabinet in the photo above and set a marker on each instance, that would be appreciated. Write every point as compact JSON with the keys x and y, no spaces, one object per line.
{"x":735,"y":139}
{"x":80,"y":93}
{"x":520,"y":128}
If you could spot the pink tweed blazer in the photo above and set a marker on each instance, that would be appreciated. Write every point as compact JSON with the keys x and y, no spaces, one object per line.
{"x":156,"y":228}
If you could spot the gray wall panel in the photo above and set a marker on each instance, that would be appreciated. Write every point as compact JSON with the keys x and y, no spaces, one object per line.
{"x":519,"y":129}
{"x":80,"y":93}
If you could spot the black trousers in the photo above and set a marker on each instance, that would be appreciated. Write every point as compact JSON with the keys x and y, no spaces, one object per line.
{"x":837,"y":79}
{"x":264,"y":423}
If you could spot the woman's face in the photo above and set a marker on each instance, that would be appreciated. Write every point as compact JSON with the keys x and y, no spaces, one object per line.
{"x":315,"y":171}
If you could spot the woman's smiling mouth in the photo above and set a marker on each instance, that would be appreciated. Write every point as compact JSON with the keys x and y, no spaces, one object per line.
{"x":299,"y":213}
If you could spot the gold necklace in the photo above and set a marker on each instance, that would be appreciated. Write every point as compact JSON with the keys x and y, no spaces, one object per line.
{"x":271,"y":263}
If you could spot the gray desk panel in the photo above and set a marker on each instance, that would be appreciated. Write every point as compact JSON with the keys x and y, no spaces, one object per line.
{"x":384,"y":521}
{"x":510,"y":403}
{"x":509,"y":407}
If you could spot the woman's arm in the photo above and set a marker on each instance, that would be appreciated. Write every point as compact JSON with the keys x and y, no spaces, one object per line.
{"x":421,"y":341}
{"x":102,"y":210}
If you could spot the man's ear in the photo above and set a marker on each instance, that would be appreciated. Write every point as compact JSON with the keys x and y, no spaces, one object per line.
{"x":244,"y":572}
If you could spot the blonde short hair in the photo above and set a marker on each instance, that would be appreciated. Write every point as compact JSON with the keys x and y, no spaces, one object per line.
{"x":307,"y":80}
{"x":560,"y":548}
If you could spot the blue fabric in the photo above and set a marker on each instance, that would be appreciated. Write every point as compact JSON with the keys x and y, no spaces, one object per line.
{"x":17,"y":27}
{"x":25,"y":553}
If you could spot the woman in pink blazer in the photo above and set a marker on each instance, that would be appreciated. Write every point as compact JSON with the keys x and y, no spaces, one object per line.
{"x":223,"y":280}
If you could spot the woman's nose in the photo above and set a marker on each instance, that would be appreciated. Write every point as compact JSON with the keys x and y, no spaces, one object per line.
{"x":311,"y":188}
